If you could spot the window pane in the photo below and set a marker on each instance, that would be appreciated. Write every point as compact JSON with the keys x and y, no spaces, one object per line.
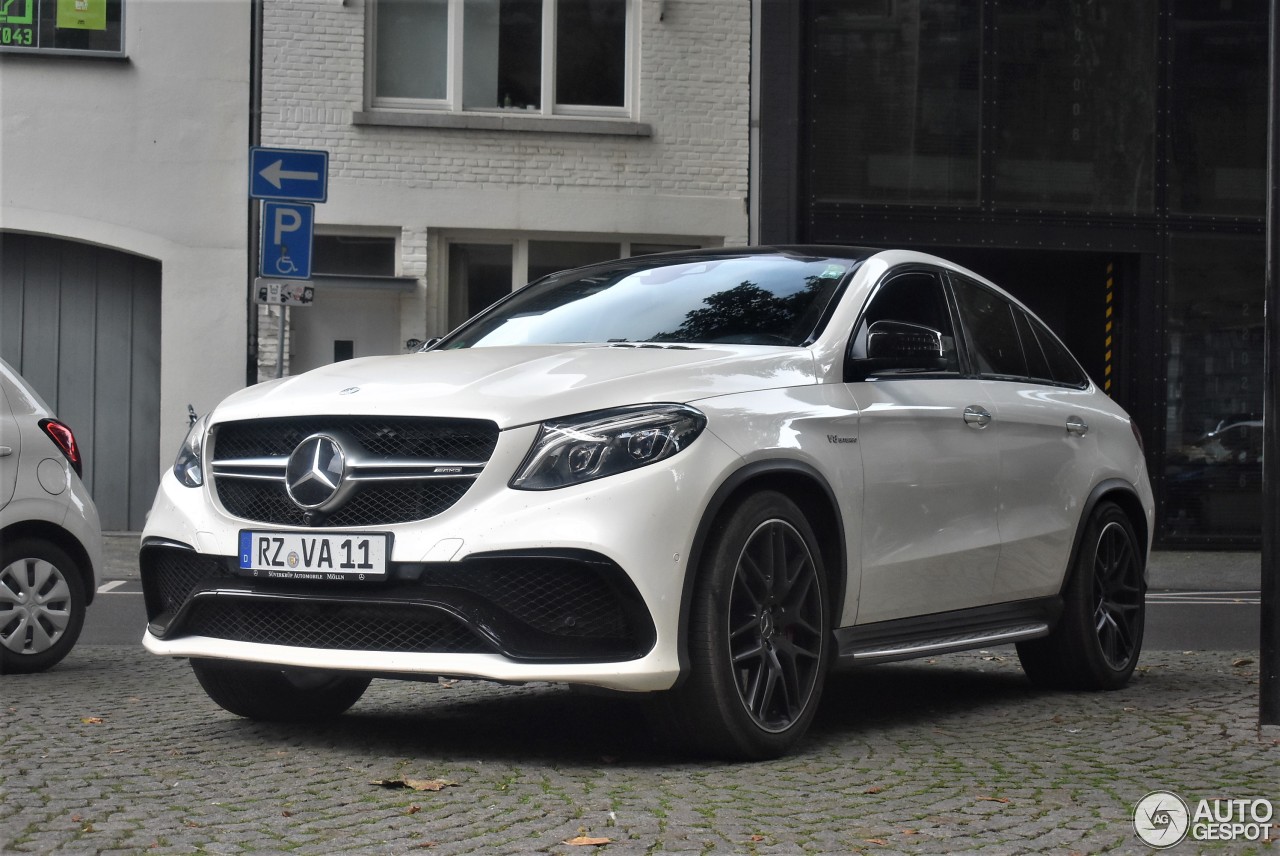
{"x":1212,"y":480}
{"x":479,"y":276}
{"x":502,"y":54}
{"x":895,"y":106}
{"x":413,"y":48}
{"x":550,"y":256}
{"x":1076,"y":104}
{"x":1218,"y":108}
{"x":1063,"y":367}
{"x":591,"y":52}
{"x":1037,"y":363}
{"x":354,"y":255}
{"x":988,"y":319}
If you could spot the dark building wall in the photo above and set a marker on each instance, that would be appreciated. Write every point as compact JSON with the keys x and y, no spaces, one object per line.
{"x":1105,"y":160}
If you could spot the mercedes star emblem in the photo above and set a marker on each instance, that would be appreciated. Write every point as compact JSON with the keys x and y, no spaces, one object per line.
{"x":314,"y":471}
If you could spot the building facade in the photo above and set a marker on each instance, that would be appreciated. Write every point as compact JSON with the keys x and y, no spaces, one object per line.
{"x":1104,"y":161}
{"x":476,"y":146}
{"x":123,"y":246}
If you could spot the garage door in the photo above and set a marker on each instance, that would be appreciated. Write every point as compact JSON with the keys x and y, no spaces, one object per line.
{"x":82,"y":325}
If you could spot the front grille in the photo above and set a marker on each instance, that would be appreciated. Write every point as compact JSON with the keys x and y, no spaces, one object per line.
{"x":338,"y":626}
{"x":373,"y":504}
{"x":417,"y":490}
{"x":390,"y":436}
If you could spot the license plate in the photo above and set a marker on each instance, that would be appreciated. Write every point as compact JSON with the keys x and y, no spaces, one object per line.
{"x":307,"y":556}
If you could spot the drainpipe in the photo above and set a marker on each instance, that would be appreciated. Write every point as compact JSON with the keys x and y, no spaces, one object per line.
{"x":1269,"y":641}
{"x":254,"y":209}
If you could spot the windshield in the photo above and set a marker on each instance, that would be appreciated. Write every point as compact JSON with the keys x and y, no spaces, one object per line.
{"x":749,"y":299}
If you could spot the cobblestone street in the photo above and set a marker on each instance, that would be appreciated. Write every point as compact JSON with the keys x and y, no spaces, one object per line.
{"x":118,"y":751}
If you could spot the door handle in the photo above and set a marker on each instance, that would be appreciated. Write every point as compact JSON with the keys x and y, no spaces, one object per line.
{"x":6,"y":451}
{"x":1077,"y":426}
{"x":976,"y":416}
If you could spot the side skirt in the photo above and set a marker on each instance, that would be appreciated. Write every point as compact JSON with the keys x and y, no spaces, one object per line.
{"x":944,"y":632}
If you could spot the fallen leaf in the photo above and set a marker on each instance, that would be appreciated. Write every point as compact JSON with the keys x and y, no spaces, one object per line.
{"x":91,"y":720}
{"x":190,"y":824}
{"x":879,"y":841}
{"x":286,"y":813}
{"x":416,"y":784}
{"x":1242,"y":661}
{"x":910,"y":832}
{"x":874,"y":789}
{"x":1001,"y":800}
{"x":757,"y":838}
{"x":587,"y":841}
{"x":76,"y":818}
{"x":413,"y":809}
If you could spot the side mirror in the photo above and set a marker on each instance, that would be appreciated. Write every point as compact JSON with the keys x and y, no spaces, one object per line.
{"x":906,"y":343}
{"x":897,"y":347}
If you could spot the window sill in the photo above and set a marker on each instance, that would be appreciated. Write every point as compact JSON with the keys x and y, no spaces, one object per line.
{"x":501,"y":122}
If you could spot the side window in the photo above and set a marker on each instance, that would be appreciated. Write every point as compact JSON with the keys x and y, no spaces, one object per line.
{"x":992,"y":328}
{"x":915,"y":299}
{"x":1063,"y":367}
{"x":1037,"y":362}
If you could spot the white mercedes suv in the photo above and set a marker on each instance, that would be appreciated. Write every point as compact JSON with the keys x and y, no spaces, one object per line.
{"x":708,"y":477}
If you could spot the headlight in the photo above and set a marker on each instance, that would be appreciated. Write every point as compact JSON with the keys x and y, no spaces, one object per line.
{"x":189,"y":465}
{"x":594,"y":445}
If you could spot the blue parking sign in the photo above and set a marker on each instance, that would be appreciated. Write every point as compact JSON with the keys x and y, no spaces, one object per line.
{"x":287,"y":229}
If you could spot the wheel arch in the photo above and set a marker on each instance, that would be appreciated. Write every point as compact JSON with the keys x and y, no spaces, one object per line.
{"x":44,"y":531}
{"x":803,"y":485}
{"x":1126,"y":498}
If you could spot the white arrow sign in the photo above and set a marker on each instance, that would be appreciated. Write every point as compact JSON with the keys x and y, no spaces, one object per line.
{"x":275,"y":173}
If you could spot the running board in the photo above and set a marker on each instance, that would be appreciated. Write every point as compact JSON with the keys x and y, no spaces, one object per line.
{"x":943,"y":633}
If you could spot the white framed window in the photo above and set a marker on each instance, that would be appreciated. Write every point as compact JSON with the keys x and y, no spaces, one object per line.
{"x":534,"y":57}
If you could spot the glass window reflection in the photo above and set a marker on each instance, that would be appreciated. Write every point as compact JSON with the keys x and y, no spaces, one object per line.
{"x":896,"y":101}
{"x":1213,"y":467}
{"x":1076,"y":105}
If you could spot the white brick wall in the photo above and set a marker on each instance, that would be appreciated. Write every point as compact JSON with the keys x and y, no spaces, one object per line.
{"x":688,"y":179}
{"x":693,"y":91}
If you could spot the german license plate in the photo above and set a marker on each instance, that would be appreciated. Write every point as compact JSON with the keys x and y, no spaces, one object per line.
{"x":320,"y":556}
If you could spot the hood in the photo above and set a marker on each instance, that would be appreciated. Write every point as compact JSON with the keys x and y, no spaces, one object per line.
{"x":522,"y":385}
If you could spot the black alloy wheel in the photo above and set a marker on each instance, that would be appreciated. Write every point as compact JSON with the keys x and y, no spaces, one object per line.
{"x":1098,"y":639}
{"x":1117,"y":595}
{"x":759,"y":639}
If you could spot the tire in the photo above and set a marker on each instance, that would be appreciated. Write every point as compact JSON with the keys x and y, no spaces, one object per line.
{"x":279,"y":695}
{"x":42,"y":605}
{"x":759,"y":638}
{"x":1098,"y":639}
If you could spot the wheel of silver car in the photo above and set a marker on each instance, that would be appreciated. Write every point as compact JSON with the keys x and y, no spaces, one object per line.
{"x":279,"y":695}
{"x":42,"y":605}
{"x":1099,"y":637}
{"x":758,"y":634}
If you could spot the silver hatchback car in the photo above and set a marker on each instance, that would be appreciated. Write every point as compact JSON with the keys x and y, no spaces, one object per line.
{"x":50,"y":537}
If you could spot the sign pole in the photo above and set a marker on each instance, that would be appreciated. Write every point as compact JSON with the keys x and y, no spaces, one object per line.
{"x":1269,"y":639}
{"x":280,"y":348}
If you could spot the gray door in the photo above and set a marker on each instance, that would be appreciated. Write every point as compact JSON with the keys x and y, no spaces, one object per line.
{"x":82,"y":325}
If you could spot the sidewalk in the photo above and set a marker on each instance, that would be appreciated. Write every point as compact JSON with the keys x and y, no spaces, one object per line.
{"x":1170,"y":570}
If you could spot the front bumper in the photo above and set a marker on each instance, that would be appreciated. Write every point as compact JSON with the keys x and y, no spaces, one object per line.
{"x":581,"y":585}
